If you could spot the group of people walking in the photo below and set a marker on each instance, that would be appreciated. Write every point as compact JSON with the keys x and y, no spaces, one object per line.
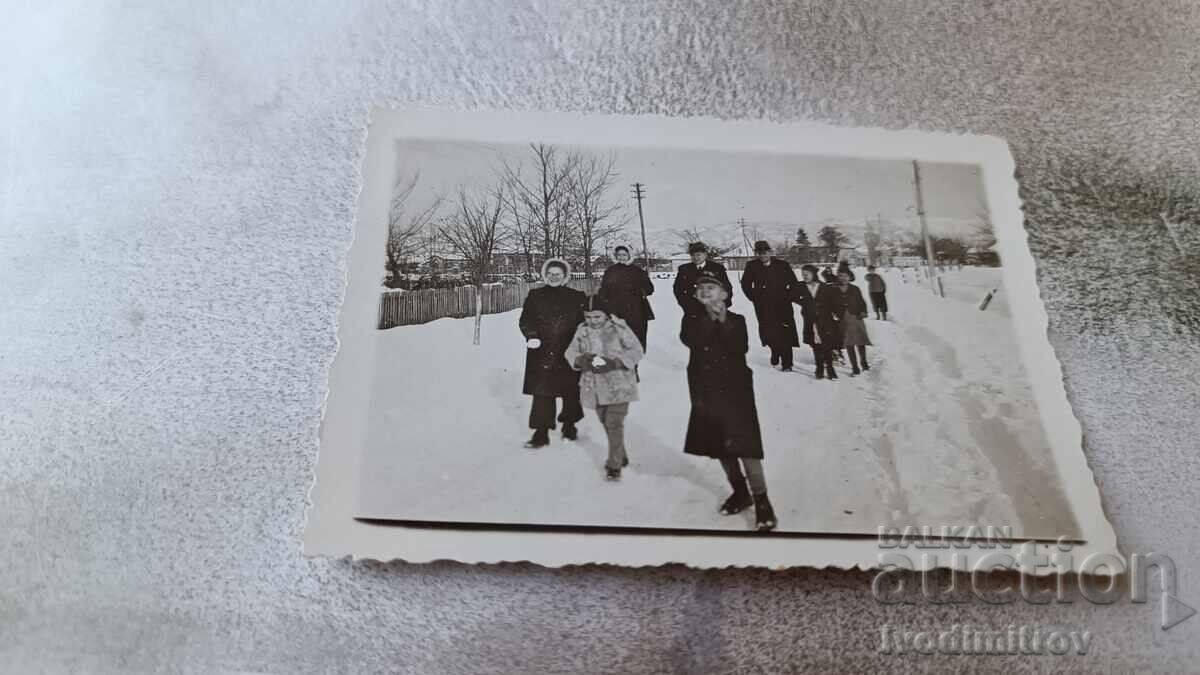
{"x":585,"y":352}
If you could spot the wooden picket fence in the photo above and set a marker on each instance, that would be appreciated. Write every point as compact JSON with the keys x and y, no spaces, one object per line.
{"x":410,"y":308}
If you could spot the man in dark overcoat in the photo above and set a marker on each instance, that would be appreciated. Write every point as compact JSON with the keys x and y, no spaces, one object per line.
{"x":724,"y":419}
{"x":689,"y":273}
{"x":771,"y":285}
{"x":624,"y":289}
{"x":548,"y":321}
{"x":821,"y":308}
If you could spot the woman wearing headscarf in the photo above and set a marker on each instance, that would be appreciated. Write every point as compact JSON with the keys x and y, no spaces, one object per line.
{"x":548,"y":321}
{"x":624,"y":289}
{"x":854,"y":329}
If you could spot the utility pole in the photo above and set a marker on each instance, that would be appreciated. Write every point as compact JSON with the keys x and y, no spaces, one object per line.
{"x":745,"y":239}
{"x":924,"y":228}
{"x":639,"y":195}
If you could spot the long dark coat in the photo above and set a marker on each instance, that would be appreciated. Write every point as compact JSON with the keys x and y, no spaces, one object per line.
{"x":724,"y":419}
{"x":624,"y":289}
{"x":854,"y":330}
{"x":772,"y":288}
{"x":551,"y":314}
{"x":685,"y":286}
{"x":822,"y":314}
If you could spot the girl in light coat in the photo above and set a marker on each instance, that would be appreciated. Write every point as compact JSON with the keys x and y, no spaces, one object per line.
{"x":605,"y":350}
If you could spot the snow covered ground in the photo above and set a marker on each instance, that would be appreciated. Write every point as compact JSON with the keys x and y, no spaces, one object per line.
{"x":941,"y":431}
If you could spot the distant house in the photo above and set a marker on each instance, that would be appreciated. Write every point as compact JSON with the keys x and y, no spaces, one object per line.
{"x":442,"y":264}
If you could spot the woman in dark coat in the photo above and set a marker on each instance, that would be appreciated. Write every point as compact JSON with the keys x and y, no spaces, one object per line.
{"x":854,"y":329}
{"x":724,"y":419}
{"x":624,"y":289}
{"x":821,"y":309}
{"x":770,"y":284}
{"x":548,"y":321}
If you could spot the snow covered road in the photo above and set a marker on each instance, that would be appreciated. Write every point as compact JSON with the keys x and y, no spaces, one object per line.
{"x":942,"y":431}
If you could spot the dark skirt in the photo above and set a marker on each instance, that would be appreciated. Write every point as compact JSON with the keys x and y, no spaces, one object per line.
{"x":854,"y":331}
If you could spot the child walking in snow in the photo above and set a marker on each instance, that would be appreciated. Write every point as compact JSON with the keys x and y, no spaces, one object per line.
{"x":606,"y":351}
{"x":724,"y":420}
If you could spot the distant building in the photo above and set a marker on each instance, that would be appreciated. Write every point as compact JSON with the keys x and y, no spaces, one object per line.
{"x":679,"y":259}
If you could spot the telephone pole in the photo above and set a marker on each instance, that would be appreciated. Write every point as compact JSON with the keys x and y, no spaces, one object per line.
{"x":639,"y":195}
{"x":745,"y":239}
{"x":924,"y":228}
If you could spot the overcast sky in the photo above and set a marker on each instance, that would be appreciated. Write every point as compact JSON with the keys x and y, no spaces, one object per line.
{"x":710,"y":191}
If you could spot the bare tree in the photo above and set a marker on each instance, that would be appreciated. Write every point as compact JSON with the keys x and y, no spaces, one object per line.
{"x":689,"y":235}
{"x":474,"y":231}
{"x":540,"y":198}
{"x":595,"y":218}
{"x":405,"y":228}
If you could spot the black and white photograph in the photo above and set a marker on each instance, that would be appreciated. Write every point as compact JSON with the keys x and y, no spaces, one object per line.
{"x":761,"y":335}
{"x":639,"y":337}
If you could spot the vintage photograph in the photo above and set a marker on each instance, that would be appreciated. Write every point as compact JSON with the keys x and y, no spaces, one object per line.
{"x":639,"y":337}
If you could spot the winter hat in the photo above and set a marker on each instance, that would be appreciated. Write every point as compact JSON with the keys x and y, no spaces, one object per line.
{"x":597,"y":304}
{"x":812,"y":269}
{"x":761,"y":246}
{"x":707,"y":277}
{"x":620,"y":247}
{"x":560,"y":264}
{"x":697,"y":247}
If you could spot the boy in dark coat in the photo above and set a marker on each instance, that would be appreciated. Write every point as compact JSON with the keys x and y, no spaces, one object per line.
{"x":689,"y":273}
{"x":548,"y":321}
{"x":624,"y":289}
{"x":877,"y":289}
{"x":771,"y":284}
{"x":821,"y":307}
{"x":724,"y":420}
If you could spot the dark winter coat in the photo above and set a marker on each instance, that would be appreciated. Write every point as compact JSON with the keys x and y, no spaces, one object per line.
{"x":551,"y":314}
{"x":772,"y":288}
{"x":685,"y":286}
{"x":854,"y":330}
{"x":822,"y":315}
{"x":724,"y":418}
{"x":624,"y":289}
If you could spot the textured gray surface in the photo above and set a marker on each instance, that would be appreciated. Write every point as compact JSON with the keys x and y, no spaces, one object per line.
{"x":179,"y":182}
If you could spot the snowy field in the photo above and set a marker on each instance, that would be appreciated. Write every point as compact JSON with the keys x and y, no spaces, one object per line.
{"x":941,"y":431}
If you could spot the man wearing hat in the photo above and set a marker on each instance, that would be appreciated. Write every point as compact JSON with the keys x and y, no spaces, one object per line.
{"x":771,"y":285}
{"x":689,"y":273}
{"x":723,"y":423}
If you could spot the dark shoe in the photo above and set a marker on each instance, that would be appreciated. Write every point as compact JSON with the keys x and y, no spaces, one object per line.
{"x":570,"y":432}
{"x":541,"y":438}
{"x":832,"y":373}
{"x":866,"y":366}
{"x":785,"y":369}
{"x":612,"y":474}
{"x":774,"y":359}
{"x":626,"y":462}
{"x":820,"y":373}
{"x":739,"y":501}
{"x":855,"y":373}
{"x":764,"y":515}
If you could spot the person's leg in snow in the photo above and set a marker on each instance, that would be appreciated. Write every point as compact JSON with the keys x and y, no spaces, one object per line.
{"x":613,"y":418}
{"x":541,"y":420}
{"x":572,"y":412}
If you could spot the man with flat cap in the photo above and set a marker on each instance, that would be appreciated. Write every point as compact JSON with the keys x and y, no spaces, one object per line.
{"x":689,"y":273}
{"x":771,"y":285}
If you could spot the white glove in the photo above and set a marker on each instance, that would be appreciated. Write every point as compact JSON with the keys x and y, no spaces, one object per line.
{"x":533,"y":343}
{"x":597,"y":361}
